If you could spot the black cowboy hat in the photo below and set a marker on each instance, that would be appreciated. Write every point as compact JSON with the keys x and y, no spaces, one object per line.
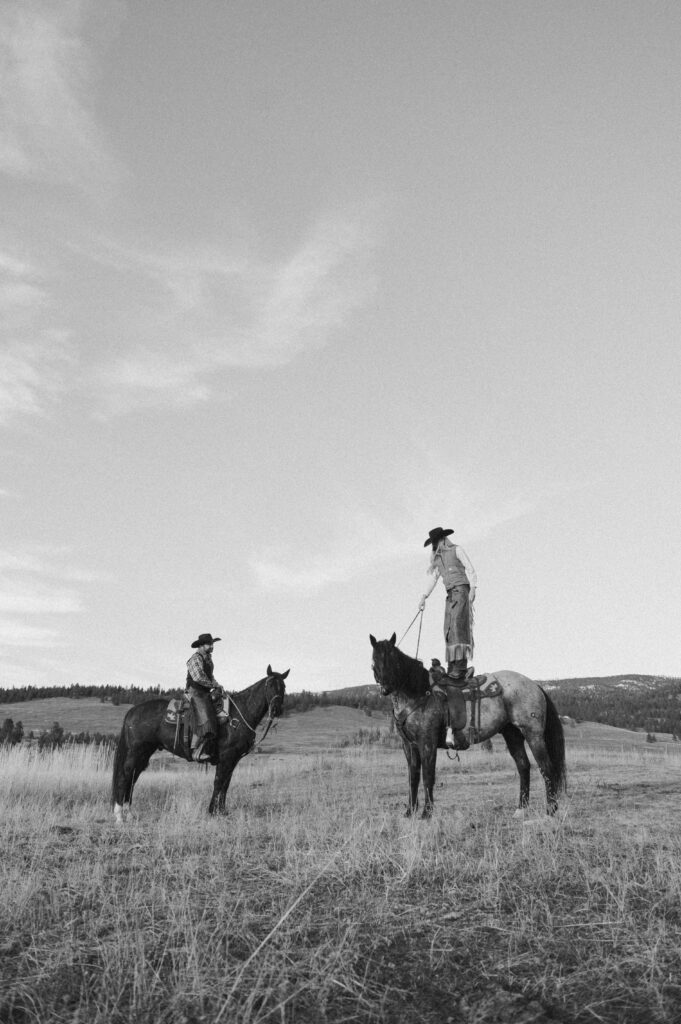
{"x":436,"y":535}
{"x":205,"y":638}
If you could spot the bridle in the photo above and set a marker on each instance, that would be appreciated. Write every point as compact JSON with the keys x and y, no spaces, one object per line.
{"x":274,"y":703}
{"x":380,"y":673}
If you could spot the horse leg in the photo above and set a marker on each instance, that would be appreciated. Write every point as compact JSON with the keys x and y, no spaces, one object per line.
{"x":516,"y":748}
{"x":428,"y":759}
{"x":135,"y":761}
{"x":414,"y":768}
{"x":541,"y":756}
{"x":223,"y":777}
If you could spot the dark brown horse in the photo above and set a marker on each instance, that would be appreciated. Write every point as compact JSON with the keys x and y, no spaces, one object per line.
{"x":145,"y":730}
{"x":522,"y":712}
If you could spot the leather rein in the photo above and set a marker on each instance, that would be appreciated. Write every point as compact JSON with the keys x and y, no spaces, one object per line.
{"x":270,"y":717}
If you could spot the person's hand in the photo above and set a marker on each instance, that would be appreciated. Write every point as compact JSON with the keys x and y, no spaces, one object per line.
{"x":422,"y":603}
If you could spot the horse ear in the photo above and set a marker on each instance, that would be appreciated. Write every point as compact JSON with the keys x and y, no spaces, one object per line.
{"x":393,"y":639}
{"x":373,"y":640}
{"x":284,"y":674}
{"x":269,"y":670}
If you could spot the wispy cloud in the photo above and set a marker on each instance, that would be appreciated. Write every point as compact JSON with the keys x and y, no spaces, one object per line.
{"x":35,"y":360}
{"x":38,"y":585}
{"x":21,"y":634}
{"x":312,"y":294}
{"x":217,"y":313}
{"x":49,"y":130}
{"x":33,"y":375}
{"x":361,"y":540}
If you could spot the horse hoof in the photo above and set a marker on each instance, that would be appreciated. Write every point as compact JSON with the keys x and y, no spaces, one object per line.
{"x":519,"y":813}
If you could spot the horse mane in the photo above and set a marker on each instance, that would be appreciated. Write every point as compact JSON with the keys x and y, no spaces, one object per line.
{"x":248,"y":690}
{"x":413,"y":674}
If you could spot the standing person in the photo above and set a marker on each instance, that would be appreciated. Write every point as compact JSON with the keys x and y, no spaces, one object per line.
{"x":450,"y":563}
{"x":200,"y":682}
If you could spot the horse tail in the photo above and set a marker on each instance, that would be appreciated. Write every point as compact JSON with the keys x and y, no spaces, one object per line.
{"x":119,"y":760}
{"x":554,"y":738}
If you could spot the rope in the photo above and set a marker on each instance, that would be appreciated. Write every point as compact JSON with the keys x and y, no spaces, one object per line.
{"x":255,"y":741}
{"x":418,"y":641}
{"x":419,"y":612}
{"x":241,"y":716}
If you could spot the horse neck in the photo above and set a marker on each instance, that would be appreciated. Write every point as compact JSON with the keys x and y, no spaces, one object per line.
{"x":253,"y":701}
{"x":413,"y":676}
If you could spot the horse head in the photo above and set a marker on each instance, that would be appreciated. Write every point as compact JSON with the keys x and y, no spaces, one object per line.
{"x":275,"y":689}
{"x":385,"y":664}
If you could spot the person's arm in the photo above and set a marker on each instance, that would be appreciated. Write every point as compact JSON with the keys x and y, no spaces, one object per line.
{"x":470,"y":571}
{"x":429,"y":591}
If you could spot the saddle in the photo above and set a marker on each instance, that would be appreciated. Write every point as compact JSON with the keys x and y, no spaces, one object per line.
{"x":182,"y":713}
{"x":465,"y":697}
{"x":179,"y":714}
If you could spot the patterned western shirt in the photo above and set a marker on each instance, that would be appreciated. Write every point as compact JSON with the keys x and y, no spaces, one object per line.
{"x":200,"y":671}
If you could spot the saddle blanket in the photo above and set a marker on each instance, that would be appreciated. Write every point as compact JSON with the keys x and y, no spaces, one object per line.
{"x":176,"y":706}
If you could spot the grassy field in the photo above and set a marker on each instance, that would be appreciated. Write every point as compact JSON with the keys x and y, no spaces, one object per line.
{"x":321,"y":726}
{"x":316,"y":900}
{"x":86,"y":715}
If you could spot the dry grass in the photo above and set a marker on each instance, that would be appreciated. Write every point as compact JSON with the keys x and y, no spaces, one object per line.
{"x":315,"y":900}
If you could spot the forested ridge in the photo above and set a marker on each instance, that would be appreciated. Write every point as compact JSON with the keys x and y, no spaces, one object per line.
{"x":626,"y":701}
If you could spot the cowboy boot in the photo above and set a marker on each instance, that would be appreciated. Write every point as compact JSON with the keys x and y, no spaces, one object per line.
{"x":202,"y":752}
{"x":456,"y":739}
{"x":460,"y":670}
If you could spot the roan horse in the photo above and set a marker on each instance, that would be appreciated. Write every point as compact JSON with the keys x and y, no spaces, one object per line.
{"x":522,"y":712}
{"x":145,"y":730}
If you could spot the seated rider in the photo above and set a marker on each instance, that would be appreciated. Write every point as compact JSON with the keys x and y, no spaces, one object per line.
{"x":205,"y":695}
{"x":447,"y":689}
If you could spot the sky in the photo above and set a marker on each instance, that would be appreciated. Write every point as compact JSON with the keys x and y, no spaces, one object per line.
{"x":283,"y":286}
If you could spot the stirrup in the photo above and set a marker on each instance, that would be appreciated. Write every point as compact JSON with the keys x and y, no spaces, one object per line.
{"x":201,"y":754}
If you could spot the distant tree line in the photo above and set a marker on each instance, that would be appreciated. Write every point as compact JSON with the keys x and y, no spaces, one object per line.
{"x":10,"y":734}
{"x":655,"y":709}
{"x":106,"y":694}
{"x":54,"y":737}
{"x":363,"y":697}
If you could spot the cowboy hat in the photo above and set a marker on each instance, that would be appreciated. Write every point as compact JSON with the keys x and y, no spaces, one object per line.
{"x":436,"y":535}
{"x":205,"y":638}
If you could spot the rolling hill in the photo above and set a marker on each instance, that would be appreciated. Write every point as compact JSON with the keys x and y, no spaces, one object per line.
{"x":627,"y":701}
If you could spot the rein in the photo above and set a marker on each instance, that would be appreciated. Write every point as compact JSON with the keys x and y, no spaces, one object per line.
{"x":270,"y":720}
{"x":419,"y":612}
